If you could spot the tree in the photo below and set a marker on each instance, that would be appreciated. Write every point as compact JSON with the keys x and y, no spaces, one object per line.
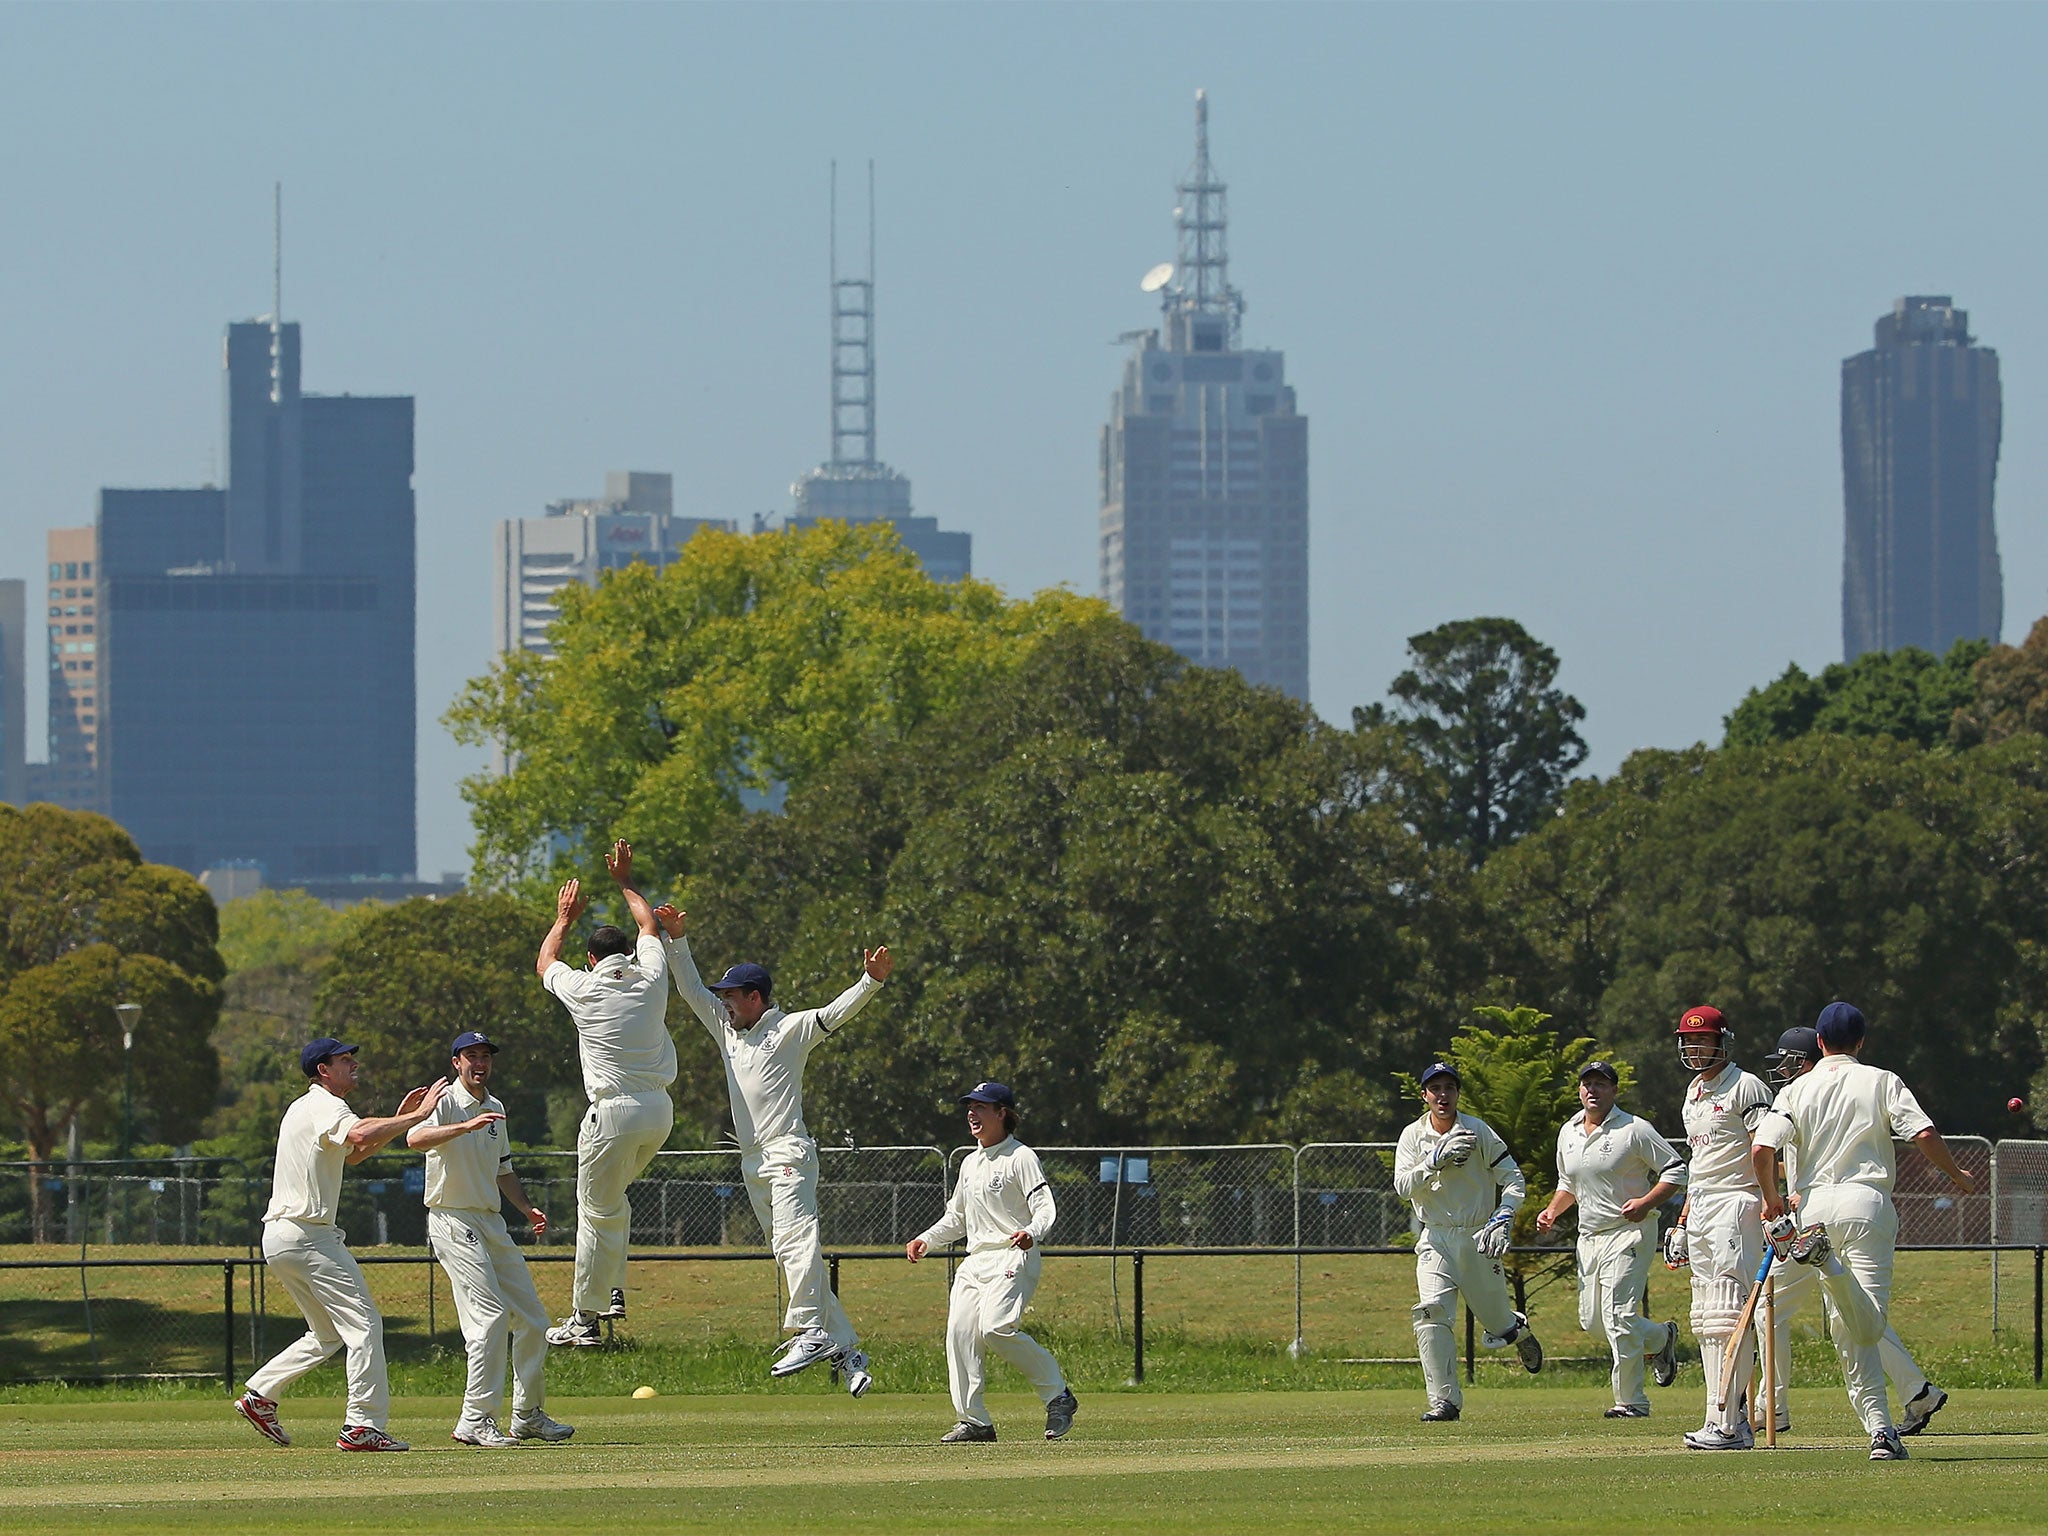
{"x":1771,"y":881}
{"x":406,"y":979}
{"x":1905,"y":694}
{"x":1522,"y":1078}
{"x":744,"y":668}
{"x":2011,"y":693}
{"x":86,"y":924}
{"x":274,"y":928}
{"x":1479,"y":707}
{"x":1162,"y":903}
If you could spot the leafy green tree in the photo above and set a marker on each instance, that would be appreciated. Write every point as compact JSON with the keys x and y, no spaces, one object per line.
{"x":273,"y":928}
{"x":1905,"y":694}
{"x":86,"y":924}
{"x":1770,"y":881}
{"x":1522,"y":1078}
{"x":1480,"y":707}
{"x":747,"y":666}
{"x":2011,"y":693}
{"x":406,"y":979}
{"x":1162,"y":903}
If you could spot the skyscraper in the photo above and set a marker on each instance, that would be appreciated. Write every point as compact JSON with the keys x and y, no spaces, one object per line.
{"x":854,"y":485}
{"x":1921,"y":420}
{"x":256,"y":643}
{"x":1204,"y":464}
{"x":70,"y":776}
{"x":13,"y":691}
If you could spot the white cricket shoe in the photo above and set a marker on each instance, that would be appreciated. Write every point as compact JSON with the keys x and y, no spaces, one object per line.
{"x":261,"y":1412}
{"x":1714,"y":1438}
{"x":366,"y":1437}
{"x":1924,"y":1407}
{"x":855,"y":1364}
{"x":578,"y":1330}
{"x":805,"y":1351}
{"x":617,"y":1309}
{"x":1886,"y":1445}
{"x":536,"y":1425}
{"x":483,"y":1432}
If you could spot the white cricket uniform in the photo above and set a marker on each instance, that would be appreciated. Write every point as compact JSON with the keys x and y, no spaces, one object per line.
{"x":1001,"y":1191}
{"x":764,"y":1073}
{"x":1451,"y":1203}
{"x":1841,"y":1118}
{"x":495,"y":1300}
{"x":308,"y":1254}
{"x":1724,"y":1225}
{"x":1602,"y":1166}
{"x":620,"y":1007}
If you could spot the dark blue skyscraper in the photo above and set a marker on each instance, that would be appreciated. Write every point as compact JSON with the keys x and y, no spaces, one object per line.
{"x":257,"y":641}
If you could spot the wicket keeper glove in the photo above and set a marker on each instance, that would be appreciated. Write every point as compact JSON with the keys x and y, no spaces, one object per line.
{"x":1492,"y":1239}
{"x":1456,"y":1146}
{"x":1677,"y":1254}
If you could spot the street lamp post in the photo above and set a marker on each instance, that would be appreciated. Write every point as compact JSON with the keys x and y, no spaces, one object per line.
{"x":130,"y":1014}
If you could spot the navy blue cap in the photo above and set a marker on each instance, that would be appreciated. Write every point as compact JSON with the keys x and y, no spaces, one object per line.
{"x":990,"y":1093}
{"x":468,"y":1038}
{"x":1600,"y":1069}
{"x":746,"y":975}
{"x":317,"y":1051}
{"x":1441,"y":1069}
{"x":1840,"y":1025}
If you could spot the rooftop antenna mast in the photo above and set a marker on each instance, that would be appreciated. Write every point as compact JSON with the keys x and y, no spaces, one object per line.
{"x":853,"y":344}
{"x":1202,"y":222}
{"x":277,"y":293}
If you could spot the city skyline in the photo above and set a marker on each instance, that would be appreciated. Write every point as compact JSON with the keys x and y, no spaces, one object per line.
{"x":1559,"y":370}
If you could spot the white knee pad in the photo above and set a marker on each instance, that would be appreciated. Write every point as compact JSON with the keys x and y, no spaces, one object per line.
{"x":1431,"y":1317}
{"x":1716,"y":1306}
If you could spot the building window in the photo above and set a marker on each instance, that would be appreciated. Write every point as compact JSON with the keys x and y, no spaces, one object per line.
{"x":71,"y":570}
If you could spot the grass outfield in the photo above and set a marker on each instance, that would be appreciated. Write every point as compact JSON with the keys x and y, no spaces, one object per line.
{"x":1272,"y":1462}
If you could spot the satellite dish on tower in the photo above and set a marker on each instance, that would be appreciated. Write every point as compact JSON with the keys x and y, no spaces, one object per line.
{"x":1157,"y":278}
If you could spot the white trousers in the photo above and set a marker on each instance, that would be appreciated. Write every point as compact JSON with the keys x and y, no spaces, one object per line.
{"x":990,"y":1291}
{"x":498,"y":1308}
{"x":1448,"y":1266}
{"x":1614,"y":1273}
{"x":1798,"y":1284}
{"x":782,"y":1182}
{"x":318,"y":1272}
{"x":1725,"y":1243}
{"x":1857,"y":1283}
{"x":619,"y":1138}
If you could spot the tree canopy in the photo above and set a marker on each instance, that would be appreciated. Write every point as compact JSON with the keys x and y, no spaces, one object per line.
{"x":744,"y":668}
{"x":2012,"y":693}
{"x":1479,"y":706}
{"x":1905,"y":694}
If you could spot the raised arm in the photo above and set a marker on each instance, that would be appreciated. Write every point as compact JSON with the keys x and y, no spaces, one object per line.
{"x":366,"y":1138}
{"x":619,"y":862}
{"x":423,"y":1136}
{"x":876,"y":964}
{"x":569,"y":904}
{"x":682,"y":969}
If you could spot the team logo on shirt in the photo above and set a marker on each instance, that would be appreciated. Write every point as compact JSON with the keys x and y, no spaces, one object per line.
{"x":995,"y":1184}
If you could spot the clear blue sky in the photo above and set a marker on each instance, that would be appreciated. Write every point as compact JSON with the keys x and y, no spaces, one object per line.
{"x":1564,"y":290}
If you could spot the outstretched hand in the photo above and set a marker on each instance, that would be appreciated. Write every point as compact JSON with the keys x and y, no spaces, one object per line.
{"x":620,"y":862}
{"x":672,"y":922}
{"x":878,"y":962}
{"x":570,"y":901}
{"x":422,"y":1100}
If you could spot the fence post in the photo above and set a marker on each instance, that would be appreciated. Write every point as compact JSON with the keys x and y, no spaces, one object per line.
{"x":227,"y":1311}
{"x":1300,"y":1347}
{"x":2037,"y":1316}
{"x":1138,"y":1317}
{"x":1469,"y":1377}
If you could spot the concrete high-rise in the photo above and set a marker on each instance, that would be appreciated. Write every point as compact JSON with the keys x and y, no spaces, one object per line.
{"x":77,"y":661}
{"x":854,"y":486}
{"x":535,"y":557}
{"x":256,"y":642}
{"x":1921,"y":421}
{"x":1204,"y":466}
{"x":14,"y":691}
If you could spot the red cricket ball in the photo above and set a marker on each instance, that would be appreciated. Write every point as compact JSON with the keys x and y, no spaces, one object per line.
{"x":2016,"y":1105}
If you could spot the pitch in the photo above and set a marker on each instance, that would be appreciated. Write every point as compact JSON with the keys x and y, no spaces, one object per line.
{"x":1225,"y":1462}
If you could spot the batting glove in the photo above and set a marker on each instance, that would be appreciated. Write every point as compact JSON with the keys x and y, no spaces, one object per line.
{"x":1779,"y":1234}
{"x":1677,"y":1252}
{"x":1456,"y":1146}
{"x":1492,"y":1239}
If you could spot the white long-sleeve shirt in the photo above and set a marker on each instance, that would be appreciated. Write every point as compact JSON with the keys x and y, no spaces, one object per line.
{"x":621,"y":1011}
{"x":1841,"y":1118}
{"x":764,"y":1066}
{"x":312,"y":1146}
{"x":1618,"y":1160}
{"x":1001,"y":1191}
{"x":1721,"y":1114}
{"x":1457,"y":1195}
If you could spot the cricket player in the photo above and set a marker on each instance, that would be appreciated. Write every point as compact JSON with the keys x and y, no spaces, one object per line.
{"x":469,"y":1177}
{"x":1919,"y":1399}
{"x":1839,"y":1119}
{"x":308,"y":1254}
{"x":1003,"y":1206}
{"x":1720,"y":1232}
{"x":620,"y":1005}
{"x":1618,"y":1171}
{"x":764,"y":1050}
{"x":1465,"y":1187}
